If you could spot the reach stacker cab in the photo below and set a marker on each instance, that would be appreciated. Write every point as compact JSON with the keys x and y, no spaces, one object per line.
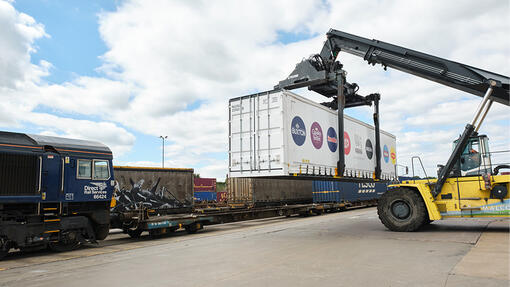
{"x":468,"y":185}
{"x":474,"y":188}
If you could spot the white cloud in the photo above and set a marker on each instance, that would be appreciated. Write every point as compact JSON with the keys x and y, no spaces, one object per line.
{"x":87,"y":96}
{"x":22,"y":90}
{"x":165,"y":57}
{"x":19,"y":31}
{"x":117,"y":138}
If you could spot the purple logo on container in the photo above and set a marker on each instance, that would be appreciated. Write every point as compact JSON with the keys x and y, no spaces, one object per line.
{"x":316,"y":134}
{"x":332,"y":139}
{"x":298,"y":130}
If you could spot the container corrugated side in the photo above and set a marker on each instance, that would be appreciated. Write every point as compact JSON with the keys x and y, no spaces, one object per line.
{"x":351,"y":192}
{"x":204,"y":184}
{"x":325,"y":191}
{"x":204,"y":196}
{"x":280,"y":134}
{"x":221,"y":196}
{"x":268,"y":191}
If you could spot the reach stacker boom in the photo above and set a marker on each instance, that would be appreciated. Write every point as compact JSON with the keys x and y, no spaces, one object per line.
{"x":467,"y":185}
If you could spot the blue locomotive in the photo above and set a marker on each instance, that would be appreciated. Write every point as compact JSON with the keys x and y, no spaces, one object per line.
{"x":54,"y":192}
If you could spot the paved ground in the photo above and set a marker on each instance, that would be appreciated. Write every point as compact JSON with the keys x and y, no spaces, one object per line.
{"x":344,"y":249}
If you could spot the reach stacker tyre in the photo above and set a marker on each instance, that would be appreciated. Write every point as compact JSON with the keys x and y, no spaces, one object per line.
{"x":402,"y":209}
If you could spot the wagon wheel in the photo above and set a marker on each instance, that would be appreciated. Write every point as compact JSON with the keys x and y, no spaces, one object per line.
{"x":134,"y":233}
{"x":193,"y":228}
{"x":4,"y":248}
{"x":67,"y":243}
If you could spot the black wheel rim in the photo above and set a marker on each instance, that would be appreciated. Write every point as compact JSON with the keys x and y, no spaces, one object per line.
{"x":400,"y":209}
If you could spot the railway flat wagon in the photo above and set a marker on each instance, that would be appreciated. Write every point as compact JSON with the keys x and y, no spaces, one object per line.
{"x":54,"y":191}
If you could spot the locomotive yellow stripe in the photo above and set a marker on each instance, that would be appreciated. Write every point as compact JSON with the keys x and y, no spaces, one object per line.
{"x":51,"y":220}
{"x":51,"y":231}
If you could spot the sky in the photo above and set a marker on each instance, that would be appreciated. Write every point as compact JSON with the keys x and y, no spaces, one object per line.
{"x":125,"y":72}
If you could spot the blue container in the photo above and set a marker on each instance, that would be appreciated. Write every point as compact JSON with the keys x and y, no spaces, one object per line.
{"x":337,"y":191}
{"x":204,"y":196}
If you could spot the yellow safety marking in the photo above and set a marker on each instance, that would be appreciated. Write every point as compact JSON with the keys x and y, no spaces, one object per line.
{"x":51,"y":231}
{"x":51,"y":220}
{"x":327,"y":191}
{"x":113,"y":202}
{"x":50,"y":208}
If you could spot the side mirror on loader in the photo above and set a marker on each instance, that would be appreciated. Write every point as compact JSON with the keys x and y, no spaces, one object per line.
{"x":439,"y":169}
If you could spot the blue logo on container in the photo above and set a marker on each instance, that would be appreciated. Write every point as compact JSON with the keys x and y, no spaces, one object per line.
{"x":386,"y":154}
{"x":298,"y":131}
{"x":332,"y":139}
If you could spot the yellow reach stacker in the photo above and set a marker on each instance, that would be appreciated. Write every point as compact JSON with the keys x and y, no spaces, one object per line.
{"x":469,"y":185}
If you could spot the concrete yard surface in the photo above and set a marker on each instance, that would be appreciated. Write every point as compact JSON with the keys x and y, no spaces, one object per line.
{"x":350,"y":248}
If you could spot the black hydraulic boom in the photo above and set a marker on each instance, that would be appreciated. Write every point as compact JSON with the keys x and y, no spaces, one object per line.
{"x":323,"y":74}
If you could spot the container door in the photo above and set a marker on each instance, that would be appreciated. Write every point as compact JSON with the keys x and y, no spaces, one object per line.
{"x":69,"y":166}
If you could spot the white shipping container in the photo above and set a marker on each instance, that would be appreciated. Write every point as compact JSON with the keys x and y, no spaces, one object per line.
{"x":279,"y":133}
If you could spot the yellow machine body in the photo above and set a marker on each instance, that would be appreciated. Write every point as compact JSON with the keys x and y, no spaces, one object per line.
{"x":468,"y":196}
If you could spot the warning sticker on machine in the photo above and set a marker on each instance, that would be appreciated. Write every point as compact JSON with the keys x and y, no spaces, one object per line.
{"x":490,"y":210}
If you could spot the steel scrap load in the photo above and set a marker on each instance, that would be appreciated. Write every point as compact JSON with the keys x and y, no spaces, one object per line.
{"x":152,"y":188}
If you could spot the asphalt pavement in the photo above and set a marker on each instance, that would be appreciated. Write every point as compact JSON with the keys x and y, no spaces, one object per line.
{"x":350,"y":248}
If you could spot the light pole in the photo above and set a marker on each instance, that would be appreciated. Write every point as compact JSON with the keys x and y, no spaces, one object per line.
{"x":163,"y":152}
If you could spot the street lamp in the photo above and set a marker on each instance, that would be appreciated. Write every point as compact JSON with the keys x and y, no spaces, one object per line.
{"x":163,"y":152}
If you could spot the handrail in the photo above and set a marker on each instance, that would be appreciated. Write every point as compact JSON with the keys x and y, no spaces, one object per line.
{"x":421,"y":163}
{"x":63,"y":167}
{"x":40,"y":175}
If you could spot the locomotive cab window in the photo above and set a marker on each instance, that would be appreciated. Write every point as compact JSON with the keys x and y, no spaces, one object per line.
{"x":101,"y":169}
{"x":84,"y":169}
{"x":93,"y":169}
